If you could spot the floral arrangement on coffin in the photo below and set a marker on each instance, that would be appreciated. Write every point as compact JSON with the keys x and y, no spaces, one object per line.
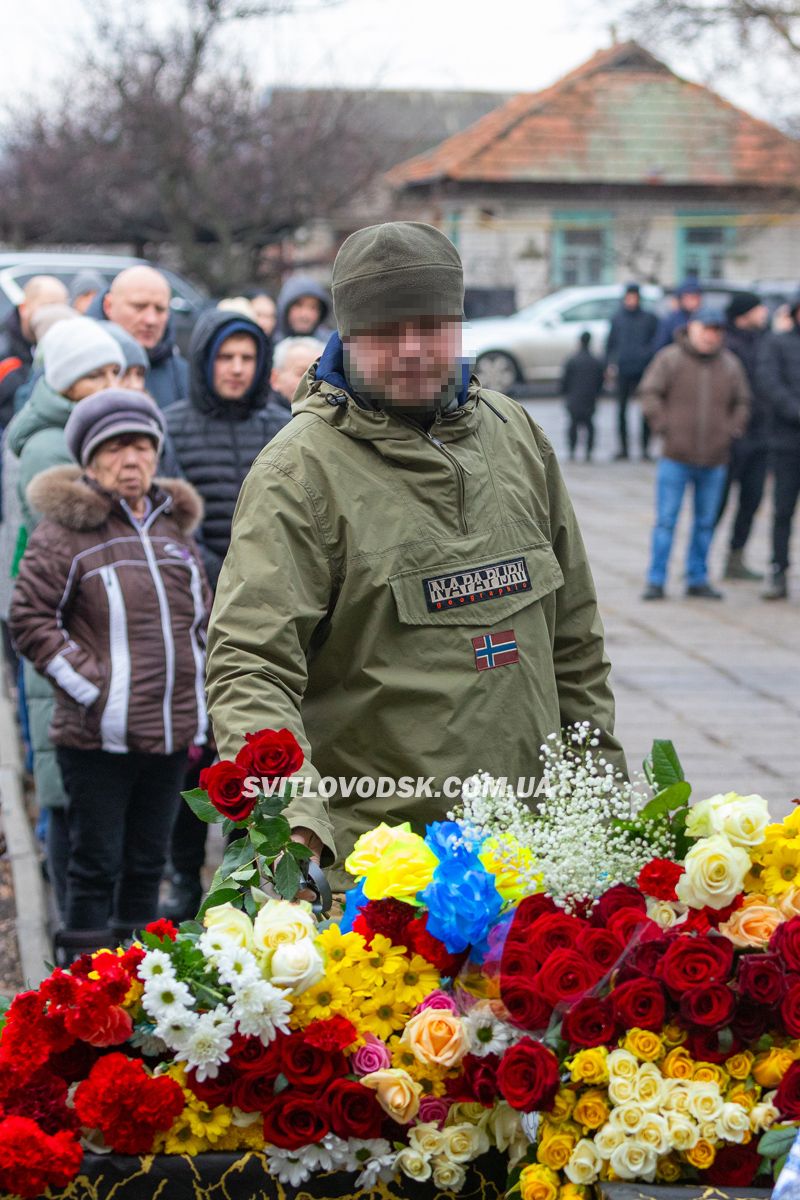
{"x":632,"y":1013}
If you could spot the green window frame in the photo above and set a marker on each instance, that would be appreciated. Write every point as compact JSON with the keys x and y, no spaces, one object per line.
{"x":582,"y":248}
{"x":705,"y":241}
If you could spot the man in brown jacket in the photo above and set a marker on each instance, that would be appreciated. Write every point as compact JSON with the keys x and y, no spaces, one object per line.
{"x":696,"y":396}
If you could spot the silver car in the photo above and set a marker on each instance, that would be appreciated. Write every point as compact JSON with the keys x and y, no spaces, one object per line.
{"x":531,"y":345}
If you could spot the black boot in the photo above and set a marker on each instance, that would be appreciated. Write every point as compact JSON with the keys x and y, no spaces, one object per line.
{"x":776,"y":588}
{"x":69,"y":944}
{"x":184,"y":899}
{"x":735,"y":568}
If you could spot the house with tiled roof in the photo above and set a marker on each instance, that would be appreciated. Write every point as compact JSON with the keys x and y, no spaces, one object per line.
{"x":620,"y":169}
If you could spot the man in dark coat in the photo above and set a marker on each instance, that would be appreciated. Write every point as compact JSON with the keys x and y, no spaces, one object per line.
{"x":581,"y":384}
{"x":214,"y":437}
{"x":688,"y":297}
{"x":778,"y":374}
{"x":628,"y":351}
{"x":746,"y":329}
{"x":17,"y":339}
{"x":303,"y":306}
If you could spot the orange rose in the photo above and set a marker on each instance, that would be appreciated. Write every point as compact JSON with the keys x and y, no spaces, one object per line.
{"x":436,"y":1037}
{"x":789,"y":903}
{"x":398,"y":1094}
{"x":754,"y":923}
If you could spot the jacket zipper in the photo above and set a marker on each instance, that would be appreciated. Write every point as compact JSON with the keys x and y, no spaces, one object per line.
{"x":461,"y":473}
{"x":702,"y":409}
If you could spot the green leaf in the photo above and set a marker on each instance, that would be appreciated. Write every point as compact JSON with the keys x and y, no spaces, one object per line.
{"x":668,"y":799}
{"x":250,"y":906}
{"x":259,"y":897}
{"x":238,"y":854}
{"x":777,"y":1141}
{"x":287,"y":877}
{"x":224,"y":895}
{"x":667,"y":768}
{"x":683,"y":843}
{"x":271,"y":835}
{"x":190,"y":928}
{"x":780,"y":1163}
{"x":298,"y":851}
{"x":201,"y":806}
{"x":246,"y":875}
{"x":270,"y":806}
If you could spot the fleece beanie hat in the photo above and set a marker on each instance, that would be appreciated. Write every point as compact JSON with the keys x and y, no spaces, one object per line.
{"x":72,"y":349}
{"x":393,"y":272}
{"x":108,"y":414}
{"x":741,"y":303}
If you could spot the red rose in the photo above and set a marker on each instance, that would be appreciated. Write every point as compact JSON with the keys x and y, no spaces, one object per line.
{"x":294,"y":1119}
{"x":704,"y":1045}
{"x":750,"y":1021}
{"x":218,"y":1090}
{"x":760,"y":978}
{"x":643,"y":957}
{"x":566,"y":975}
{"x":253,"y":1093}
{"x":600,"y":946}
{"x":734,"y":1166}
{"x":790,"y":1011}
{"x":659,"y":877}
{"x":710,"y":1006}
{"x":477,"y":1080}
{"x":529,"y":910}
{"x":787,"y":1098}
{"x":528,"y":1076}
{"x":352,"y":1110}
{"x":630,"y":924}
{"x":619,"y":896}
{"x":517,"y":962}
{"x":639,"y":1004}
{"x":553,"y":931}
{"x":270,"y":754}
{"x":785,"y":942}
{"x":225,"y":783}
{"x":692,"y":961}
{"x":307,"y":1065}
{"x":249,"y":1056}
{"x":590,"y":1022}
{"x":526,"y":1007}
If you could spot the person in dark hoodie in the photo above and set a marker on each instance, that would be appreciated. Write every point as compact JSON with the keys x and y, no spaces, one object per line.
{"x":213,"y":438}
{"x":581,"y":384}
{"x":138,"y":300}
{"x":628,"y":351}
{"x":689,"y":297}
{"x":17,"y":338}
{"x":303,"y":306}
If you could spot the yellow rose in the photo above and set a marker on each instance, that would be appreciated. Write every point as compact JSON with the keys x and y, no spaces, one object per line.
{"x":645,"y":1044}
{"x":705,"y":1101}
{"x":405,"y":867}
{"x":397,"y":1093}
{"x":538,"y":1182}
{"x":764,"y":1115}
{"x":621,"y":1090}
{"x":592,"y":1109}
{"x":674,"y":1035}
{"x":426,"y":1137}
{"x":589,"y":1066}
{"x":740,"y":1095}
{"x":701,"y":1155}
{"x":554,"y":1151}
{"x":770,"y":1067}
{"x":668,"y":1170}
{"x":739,"y":1066}
{"x":230,"y":923}
{"x":627,"y":1117}
{"x":653,"y":1131}
{"x":607,"y":1139}
{"x":714,"y":875}
{"x":678,"y":1064}
{"x":563,"y":1105}
{"x":632,"y":1160}
{"x":705,"y":1072}
{"x":682,"y":1132}
{"x":279,"y":923}
{"x":370,"y":848}
{"x":754,"y":923}
{"x":733,"y":1123}
{"x":622,"y":1065}
{"x":572,"y":1191}
{"x":436,"y":1037}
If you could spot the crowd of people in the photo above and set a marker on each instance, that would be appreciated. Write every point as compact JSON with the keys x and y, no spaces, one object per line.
{"x":721,"y":388}
{"x":122,"y":467}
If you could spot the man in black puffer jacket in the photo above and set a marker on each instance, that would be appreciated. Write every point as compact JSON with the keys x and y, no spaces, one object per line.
{"x":214,"y":437}
{"x":778,"y":373}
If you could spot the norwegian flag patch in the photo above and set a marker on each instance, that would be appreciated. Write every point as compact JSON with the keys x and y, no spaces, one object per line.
{"x":495,"y":650}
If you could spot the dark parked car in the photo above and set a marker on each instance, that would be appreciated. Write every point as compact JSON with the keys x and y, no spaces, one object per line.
{"x":16,"y":269}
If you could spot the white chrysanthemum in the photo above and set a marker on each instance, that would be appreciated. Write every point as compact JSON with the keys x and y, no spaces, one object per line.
{"x":334,"y":1154}
{"x":375,"y":1159}
{"x":209,"y":1042}
{"x":260,"y":1009}
{"x":178,"y":1029}
{"x":487,"y":1034}
{"x":155,"y":964}
{"x":236,"y":965}
{"x":164,"y":999}
{"x":288,"y":1166}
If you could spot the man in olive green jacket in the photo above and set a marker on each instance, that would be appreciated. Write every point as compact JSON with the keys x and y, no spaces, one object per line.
{"x":406,"y":588}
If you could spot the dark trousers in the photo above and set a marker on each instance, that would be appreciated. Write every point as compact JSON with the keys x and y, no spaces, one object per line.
{"x":57,"y":844}
{"x":626,"y":386}
{"x":188,"y":843}
{"x":120,"y":816}
{"x":575,"y":425}
{"x":786,"y":468}
{"x":748,"y":469}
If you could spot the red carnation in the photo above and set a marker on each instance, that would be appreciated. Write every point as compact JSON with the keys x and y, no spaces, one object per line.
{"x":566,"y":975}
{"x":390,"y":918}
{"x":590,"y":1022}
{"x":162,"y":928}
{"x":225,"y":783}
{"x":659,"y":877}
{"x":336,"y":1033}
{"x":639,"y":1004}
{"x":126,"y":1104}
{"x":31,"y":1161}
{"x":44,"y":1099}
{"x":270,"y":754}
{"x":528,"y":1076}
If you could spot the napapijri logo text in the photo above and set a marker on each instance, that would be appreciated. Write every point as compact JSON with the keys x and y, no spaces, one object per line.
{"x":489,"y":582}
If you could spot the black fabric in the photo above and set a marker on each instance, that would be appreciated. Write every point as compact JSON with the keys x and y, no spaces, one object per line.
{"x":13,"y":344}
{"x":786,"y":468}
{"x":57,"y":845}
{"x":120,"y":815}
{"x":626,"y":386}
{"x":778,"y":378}
{"x":746,"y":345}
{"x":576,"y":424}
{"x":630,"y":340}
{"x":188,"y":842}
{"x":748,"y":468}
{"x":582,"y":383}
{"x":214,"y":442}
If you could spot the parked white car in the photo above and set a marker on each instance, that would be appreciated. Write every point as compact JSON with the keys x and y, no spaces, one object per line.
{"x":531,"y":345}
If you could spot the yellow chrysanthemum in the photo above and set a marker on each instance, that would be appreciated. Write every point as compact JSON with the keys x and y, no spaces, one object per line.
{"x":383,"y":1014}
{"x":181,"y":1138}
{"x":781,"y":869}
{"x":341,"y":950}
{"x":431,"y":1078}
{"x":381,"y":960}
{"x":321,"y":1001}
{"x":416,"y":981}
{"x":208,"y":1123}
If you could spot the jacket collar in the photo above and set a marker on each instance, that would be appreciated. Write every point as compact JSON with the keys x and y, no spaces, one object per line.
{"x":67,"y":497}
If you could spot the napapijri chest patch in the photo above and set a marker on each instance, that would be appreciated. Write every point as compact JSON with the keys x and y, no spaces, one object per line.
{"x":490,"y":582}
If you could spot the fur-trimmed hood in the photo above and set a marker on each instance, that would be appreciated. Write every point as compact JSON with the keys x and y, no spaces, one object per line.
{"x":66,"y":496}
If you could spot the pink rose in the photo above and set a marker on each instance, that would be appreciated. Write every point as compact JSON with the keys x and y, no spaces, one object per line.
{"x":434,"y":1109}
{"x":438,"y":999}
{"x":372,"y":1056}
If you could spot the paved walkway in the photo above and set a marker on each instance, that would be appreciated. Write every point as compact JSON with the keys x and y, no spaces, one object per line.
{"x":721,"y":679}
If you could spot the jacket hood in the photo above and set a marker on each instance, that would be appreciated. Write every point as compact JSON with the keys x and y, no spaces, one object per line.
{"x":208,"y":333}
{"x":293,"y":289}
{"x":160,"y":352}
{"x":67,"y":497}
{"x":45,"y":409}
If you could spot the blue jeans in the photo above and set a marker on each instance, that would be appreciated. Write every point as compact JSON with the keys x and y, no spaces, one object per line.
{"x":671,"y":480}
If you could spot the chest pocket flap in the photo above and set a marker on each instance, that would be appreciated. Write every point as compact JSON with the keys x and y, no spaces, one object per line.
{"x":481,"y":592}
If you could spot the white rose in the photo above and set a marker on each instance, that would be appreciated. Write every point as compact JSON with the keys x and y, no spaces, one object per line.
{"x":231,"y":923}
{"x":279,"y":922}
{"x":714,"y":874}
{"x":698,"y":819}
{"x":763,"y":1115}
{"x":705,"y":1102}
{"x":677,"y":1099}
{"x":607,"y":1139}
{"x":584,"y":1163}
{"x":648,"y":1087}
{"x":632,"y":1160}
{"x":505,"y":1125}
{"x":426,"y":1137}
{"x":665,"y":913}
{"x":448,"y":1176}
{"x":620,"y":1091}
{"x":653,"y":1131}
{"x":682,"y":1132}
{"x":413,"y":1164}
{"x":741,"y":819}
{"x":296,"y":966}
{"x":627,"y":1117}
{"x":462,"y":1143}
{"x":733,"y":1123}
{"x":622,"y":1064}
